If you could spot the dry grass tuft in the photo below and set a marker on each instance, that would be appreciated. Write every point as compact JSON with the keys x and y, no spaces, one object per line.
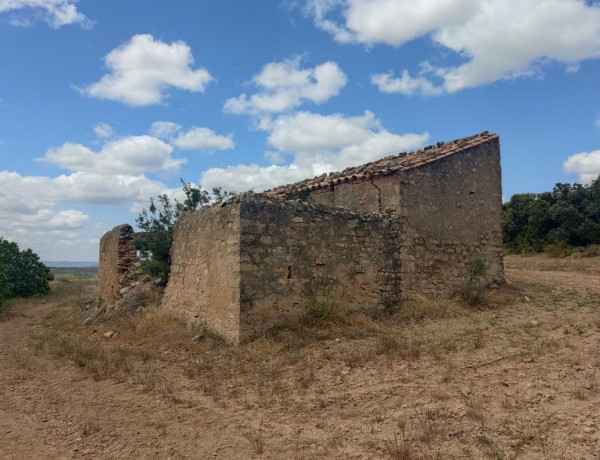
{"x":402,"y":447}
{"x":398,"y":344}
{"x":256,"y":438}
{"x":89,"y":427}
{"x":421,"y":308}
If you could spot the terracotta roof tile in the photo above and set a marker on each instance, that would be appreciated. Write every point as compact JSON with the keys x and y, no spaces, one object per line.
{"x":401,"y":162}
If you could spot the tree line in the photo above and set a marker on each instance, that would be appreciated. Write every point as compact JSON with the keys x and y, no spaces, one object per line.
{"x":567,"y":217}
{"x":22,"y":274}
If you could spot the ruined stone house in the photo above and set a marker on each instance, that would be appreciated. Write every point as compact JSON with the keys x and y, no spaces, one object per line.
{"x":365,"y":238}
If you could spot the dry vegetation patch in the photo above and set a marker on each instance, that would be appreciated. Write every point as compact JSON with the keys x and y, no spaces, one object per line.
{"x":516,"y":378}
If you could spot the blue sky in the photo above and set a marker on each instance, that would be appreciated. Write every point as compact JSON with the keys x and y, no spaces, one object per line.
{"x":106,"y":103}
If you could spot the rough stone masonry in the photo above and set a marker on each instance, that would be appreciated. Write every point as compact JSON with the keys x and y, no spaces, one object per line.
{"x":117,"y":258}
{"x":367,"y":237}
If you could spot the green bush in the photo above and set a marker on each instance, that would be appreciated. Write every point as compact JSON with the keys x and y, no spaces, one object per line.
{"x":22,"y":274}
{"x":475,"y":287}
{"x":558,"y":250}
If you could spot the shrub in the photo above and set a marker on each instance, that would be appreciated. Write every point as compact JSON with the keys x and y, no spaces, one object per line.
{"x":591,"y":251}
{"x":558,"y":250}
{"x":22,"y":274}
{"x":475,"y":287}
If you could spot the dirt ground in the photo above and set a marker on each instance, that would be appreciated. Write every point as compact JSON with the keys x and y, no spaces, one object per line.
{"x":517,"y":379}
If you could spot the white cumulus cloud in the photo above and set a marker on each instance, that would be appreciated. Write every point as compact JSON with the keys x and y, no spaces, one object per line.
{"x":394,"y":22}
{"x":284,"y":86}
{"x":197,"y":138}
{"x":30,"y":213}
{"x":497,"y":39}
{"x":203,"y":140}
{"x":143,"y":68}
{"x":49,"y":219}
{"x":585,"y":164}
{"x":16,"y":196}
{"x":56,"y":13}
{"x":131,"y":155}
{"x":317,"y":144}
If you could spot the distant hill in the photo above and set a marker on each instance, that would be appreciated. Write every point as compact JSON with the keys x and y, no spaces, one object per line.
{"x":86,"y":272}
{"x":64,"y":263}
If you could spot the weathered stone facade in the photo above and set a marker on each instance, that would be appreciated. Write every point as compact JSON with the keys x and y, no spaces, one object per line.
{"x":449,"y":195}
{"x":117,"y":258}
{"x":204,"y":285}
{"x":256,"y":261}
{"x":296,"y":256}
{"x":365,"y":238}
{"x":408,"y":223}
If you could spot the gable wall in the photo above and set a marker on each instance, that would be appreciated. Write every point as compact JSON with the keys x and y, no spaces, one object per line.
{"x":377,"y":194}
{"x":453,"y":207}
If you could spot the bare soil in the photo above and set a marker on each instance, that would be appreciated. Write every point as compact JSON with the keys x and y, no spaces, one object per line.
{"x":517,"y":379}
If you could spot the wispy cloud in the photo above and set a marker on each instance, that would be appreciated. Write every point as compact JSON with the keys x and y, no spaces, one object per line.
{"x":56,"y":13}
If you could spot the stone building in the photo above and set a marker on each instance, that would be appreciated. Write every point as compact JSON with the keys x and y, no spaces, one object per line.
{"x":365,"y":238}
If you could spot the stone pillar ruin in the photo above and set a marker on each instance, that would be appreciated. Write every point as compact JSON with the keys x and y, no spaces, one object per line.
{"x":117,"y":257}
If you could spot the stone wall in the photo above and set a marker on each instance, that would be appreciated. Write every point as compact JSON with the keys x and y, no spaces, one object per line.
{"x":451,"y":203}
{"x":296,"y":256}
{"x":256,"y":262}
{"x":453,"y":208}
{"x":117,"y":258}
{"x":205,"y":269}
{"x":376,"y":194}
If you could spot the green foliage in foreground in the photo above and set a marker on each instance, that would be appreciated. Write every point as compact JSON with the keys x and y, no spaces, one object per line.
{"x":569,"y":215}
{"x":22,"y":274}
{"x":157,"y":223}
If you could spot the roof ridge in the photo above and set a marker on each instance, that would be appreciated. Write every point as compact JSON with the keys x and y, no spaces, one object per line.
{"x":387,"y":165}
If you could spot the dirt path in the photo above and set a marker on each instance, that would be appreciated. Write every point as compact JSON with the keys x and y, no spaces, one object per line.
{"x":52,"y":409}
{"x":517,"y":381}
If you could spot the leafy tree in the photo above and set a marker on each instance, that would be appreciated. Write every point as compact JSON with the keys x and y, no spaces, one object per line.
{"x":22,"y":274}
{"x":157,"y":223}
{"x":569,"y":215}
{"x":4,"y":285}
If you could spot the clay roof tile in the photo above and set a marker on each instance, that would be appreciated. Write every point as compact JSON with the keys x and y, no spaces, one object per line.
{"x":401,"y":162}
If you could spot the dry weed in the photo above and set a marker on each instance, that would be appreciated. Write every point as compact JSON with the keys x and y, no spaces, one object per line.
{"x":421,"y":308}
{"x":403,"y":446}
{"x":475,"y":408}
{"x":392,"y":345}
{"x":90,"y":426}
{"x":256,"y":438}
